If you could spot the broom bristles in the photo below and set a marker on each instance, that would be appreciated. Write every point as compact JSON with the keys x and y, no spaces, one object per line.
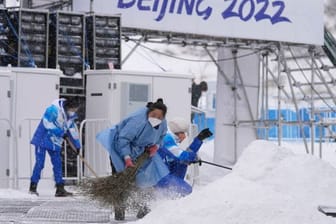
{"x":111,"y":190}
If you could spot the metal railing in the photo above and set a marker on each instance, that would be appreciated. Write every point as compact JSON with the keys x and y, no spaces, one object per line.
{"x":201,"y":115}
{"x":93,"y":153}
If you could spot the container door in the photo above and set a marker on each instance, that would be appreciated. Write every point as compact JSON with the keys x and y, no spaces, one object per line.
{"x":35,"y":91}
{"x":5,"y":130}
{"x":132,"y":93}
{"x":134,"y":96}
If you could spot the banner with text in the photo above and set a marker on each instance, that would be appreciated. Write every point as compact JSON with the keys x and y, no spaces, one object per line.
{"x":298,"y":21}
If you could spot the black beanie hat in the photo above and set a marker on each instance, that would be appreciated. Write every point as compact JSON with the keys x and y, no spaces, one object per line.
{"x":204,"y":86}
{"x":72,"y":102}
{"x":157,"y":105}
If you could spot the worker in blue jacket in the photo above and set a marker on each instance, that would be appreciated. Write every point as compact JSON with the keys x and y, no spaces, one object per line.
{"x":127,"y":140}
{"x":58,"y":122}
{"x":178,"y":159}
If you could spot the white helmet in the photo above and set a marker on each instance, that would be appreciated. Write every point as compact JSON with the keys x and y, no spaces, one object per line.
{"x":178,"y":124}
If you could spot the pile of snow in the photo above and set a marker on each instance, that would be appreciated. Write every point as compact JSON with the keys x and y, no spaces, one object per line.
{"x":269,"y":184}
{"x":207,"y":173}
{"x":326,"y":150}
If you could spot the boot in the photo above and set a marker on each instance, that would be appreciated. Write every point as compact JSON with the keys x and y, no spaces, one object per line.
{"x":119,"y":213}
{"x":144,"y":210}
{"x":61,"y":192}
{"x":32,"y":189}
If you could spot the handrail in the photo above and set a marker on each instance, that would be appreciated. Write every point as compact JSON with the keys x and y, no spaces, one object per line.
{"x":81,"y":137}
{"x":197,"y":110}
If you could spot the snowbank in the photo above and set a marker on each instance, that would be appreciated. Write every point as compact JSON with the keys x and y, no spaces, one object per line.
{"x":269,"y":184}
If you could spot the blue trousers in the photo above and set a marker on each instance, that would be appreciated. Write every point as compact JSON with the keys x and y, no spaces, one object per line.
{"x":178,"y":169}
{"x":56,"y":160}
{"x":174,"y":185}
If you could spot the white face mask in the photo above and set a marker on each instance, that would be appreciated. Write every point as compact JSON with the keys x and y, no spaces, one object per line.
{"x":154,"y":121}
{"x":176,"y":138}
{"x":71,"y":113}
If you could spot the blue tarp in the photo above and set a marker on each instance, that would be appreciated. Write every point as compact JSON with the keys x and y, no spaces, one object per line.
{"x":293,"y":131}
{"x":289,"y":131}
{"x":205,"y":122}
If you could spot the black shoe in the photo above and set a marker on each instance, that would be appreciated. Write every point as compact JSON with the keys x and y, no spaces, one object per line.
{"x":142,"y":212}
{"x":61,"y":192}
{"x":119,"y":213}
{"x":32,"y":189}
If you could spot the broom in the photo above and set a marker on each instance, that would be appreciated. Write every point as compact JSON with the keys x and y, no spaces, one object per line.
{"x":111,"y":190}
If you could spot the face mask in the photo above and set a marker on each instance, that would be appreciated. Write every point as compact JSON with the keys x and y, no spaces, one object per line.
{"x":176,"y":138}
{"x":71,"y":113}
{"x":154,"y":121}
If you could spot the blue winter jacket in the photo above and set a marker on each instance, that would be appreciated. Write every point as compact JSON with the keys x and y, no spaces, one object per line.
{"x":53,"y":126}
{"x":130,"y":137}
{"x":174,"y":157}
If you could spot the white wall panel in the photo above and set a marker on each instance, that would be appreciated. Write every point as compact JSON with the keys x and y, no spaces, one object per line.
{"x":232,"y":108}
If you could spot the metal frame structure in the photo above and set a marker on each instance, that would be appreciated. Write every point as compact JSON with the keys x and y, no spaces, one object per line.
{"x":309,"y":84}
{"x":301,"y":75}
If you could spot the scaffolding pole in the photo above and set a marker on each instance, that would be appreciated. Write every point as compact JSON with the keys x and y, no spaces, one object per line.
{"x":289,"y":77}
{"x":279,"y":98}
{"x":235,"y":96}
{"x":312,"y":105}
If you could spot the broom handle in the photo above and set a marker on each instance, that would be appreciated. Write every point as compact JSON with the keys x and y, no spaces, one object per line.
{"x":81,"y":157}
{"x":88,"y":165}
{"x":139,"y":162}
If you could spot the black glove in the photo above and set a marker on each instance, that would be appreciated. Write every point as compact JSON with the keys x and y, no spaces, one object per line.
{"x":205,"y":133}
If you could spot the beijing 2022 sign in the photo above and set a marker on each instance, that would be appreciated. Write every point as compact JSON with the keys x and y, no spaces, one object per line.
{"x":299,"y":21}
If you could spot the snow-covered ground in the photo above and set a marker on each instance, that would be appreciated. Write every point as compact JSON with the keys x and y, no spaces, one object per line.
{"x":269,"y":184}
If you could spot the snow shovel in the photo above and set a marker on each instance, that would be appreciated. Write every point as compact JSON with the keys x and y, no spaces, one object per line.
{"x":111,"y":190}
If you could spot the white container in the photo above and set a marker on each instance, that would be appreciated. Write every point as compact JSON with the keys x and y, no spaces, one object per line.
{"x":31,"y":91}
{"x":5,"y":127}
{"x":114,"y":94}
